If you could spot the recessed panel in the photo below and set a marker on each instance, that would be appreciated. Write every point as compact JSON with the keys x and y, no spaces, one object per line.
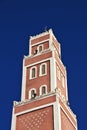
{"x":41,"y":119}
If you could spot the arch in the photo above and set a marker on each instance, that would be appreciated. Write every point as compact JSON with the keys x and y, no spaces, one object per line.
{"x":43,"y":69}
{"x":33,"y":72}
{"x":31,"y":93}
{"x":40,"y":48}
{"x":43,"y":89}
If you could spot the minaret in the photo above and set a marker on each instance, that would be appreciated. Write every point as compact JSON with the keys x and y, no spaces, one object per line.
{"x":44,"y":97}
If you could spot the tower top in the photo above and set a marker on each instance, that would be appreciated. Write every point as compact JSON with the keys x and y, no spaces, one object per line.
{"x":46,"y":39}
{"x":42,"y":34}
{"x":50,"y":31}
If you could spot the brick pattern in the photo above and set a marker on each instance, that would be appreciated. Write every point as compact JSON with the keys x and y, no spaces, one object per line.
{"x":37,"y":120}
{"x":38,"y":58}
{"x":69,"y":112}
{"x":42,"y":38}
{"x":65,"y":122}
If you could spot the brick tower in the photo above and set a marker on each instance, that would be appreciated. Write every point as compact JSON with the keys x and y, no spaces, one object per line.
{"x":44,"y":97}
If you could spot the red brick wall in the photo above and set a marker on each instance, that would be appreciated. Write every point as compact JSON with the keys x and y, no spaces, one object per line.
{"x":45,"y":46}
{"x":65,"y":122}
{"x":42,"y":38}
{"x":41,"y":119}
{"x":69,"y":113}
{"x":56,"y":45}
{"x":59,"y":62}
{"x":37,"y":58}
{"x":34,"y":103}
{"x":62,"y":72}
{"x":59,"y":81}
{"x":39,"y":80}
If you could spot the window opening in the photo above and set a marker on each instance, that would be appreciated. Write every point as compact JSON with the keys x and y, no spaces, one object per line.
{"x":43,"y":69}
{"x":33,"y":94}
{"x":33,"y":72}
{"x":43,"y":90}
{"x":40,"y":48}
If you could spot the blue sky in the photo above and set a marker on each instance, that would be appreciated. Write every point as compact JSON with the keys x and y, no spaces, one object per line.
{"x":21,"y":19}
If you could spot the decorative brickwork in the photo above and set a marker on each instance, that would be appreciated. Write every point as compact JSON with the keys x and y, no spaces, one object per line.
{"x":36,"y":120}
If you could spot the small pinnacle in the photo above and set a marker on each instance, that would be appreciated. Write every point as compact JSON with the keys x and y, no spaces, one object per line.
{"x":45,"y":29}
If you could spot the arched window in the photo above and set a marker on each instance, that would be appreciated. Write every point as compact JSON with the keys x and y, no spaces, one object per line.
{"x":43,"y":69}
{"x":40,"y":48}
{"x":33,"y":72}
{"x":43,"y":90}
{"x":32,"y":93}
